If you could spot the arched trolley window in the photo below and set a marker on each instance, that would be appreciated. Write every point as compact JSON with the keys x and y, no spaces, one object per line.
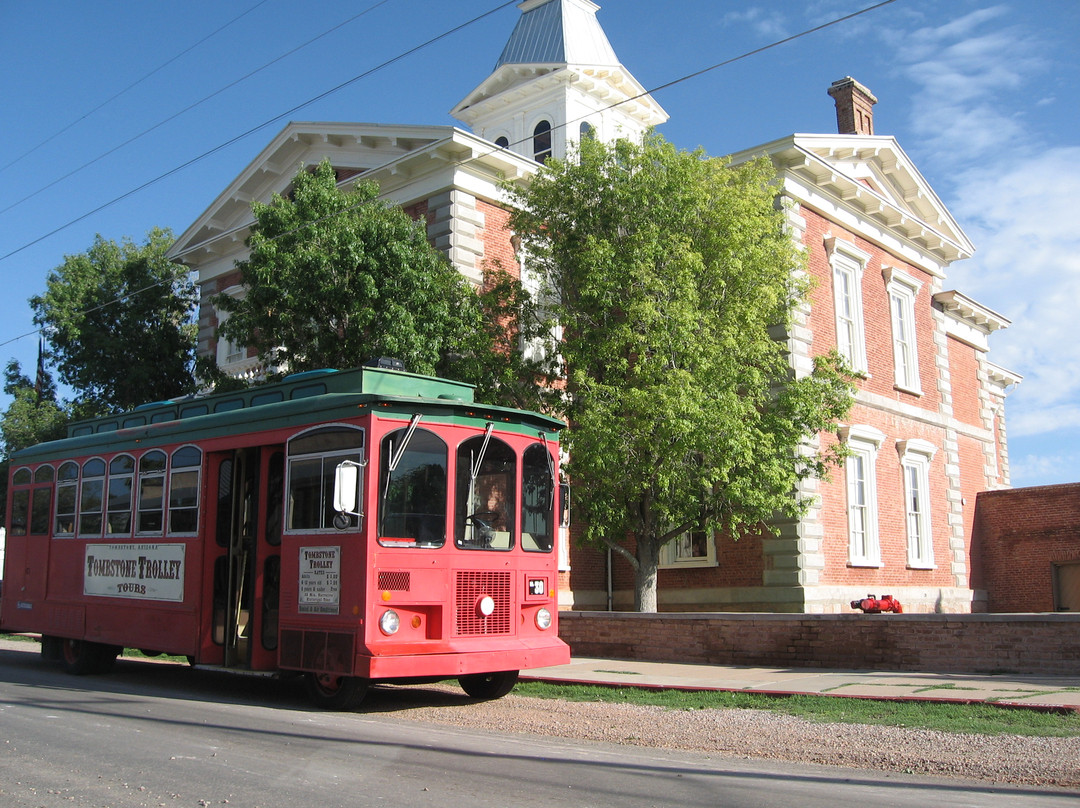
{"x":412,"y":488}
{"x":486,"y":502}
{"x":538,"y":488}
{"x":313,"y":457}
{"x":31,"y":501}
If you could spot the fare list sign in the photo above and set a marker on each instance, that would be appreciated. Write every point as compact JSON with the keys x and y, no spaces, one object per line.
{"x":320,"y":580}
{"x":139,"y":571}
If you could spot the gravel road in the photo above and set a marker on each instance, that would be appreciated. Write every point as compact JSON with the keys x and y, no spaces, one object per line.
{"x":761,"y":734}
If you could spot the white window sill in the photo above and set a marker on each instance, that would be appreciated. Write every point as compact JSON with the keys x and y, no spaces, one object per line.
{"x":695,"y":563}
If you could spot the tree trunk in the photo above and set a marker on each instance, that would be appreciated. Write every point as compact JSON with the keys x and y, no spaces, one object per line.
{"x":648,"y":557}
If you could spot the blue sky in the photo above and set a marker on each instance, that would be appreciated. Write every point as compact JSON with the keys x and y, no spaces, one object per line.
{"x":983,"y":96}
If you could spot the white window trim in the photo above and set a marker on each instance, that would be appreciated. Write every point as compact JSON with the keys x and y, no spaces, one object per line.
{"x":915,"y":455}
{"x":863,"y":442}
{"x":903,"y":288}
{"x":846,"y":258}
{"x":669,"y":558}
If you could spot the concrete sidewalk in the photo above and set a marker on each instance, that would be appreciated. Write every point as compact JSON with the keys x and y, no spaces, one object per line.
{"x":1027,"y":690}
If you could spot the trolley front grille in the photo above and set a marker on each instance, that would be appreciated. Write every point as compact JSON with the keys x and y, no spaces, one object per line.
{"x":471,"y":590}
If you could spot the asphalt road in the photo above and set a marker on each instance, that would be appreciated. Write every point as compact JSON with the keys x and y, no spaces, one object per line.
{"x":158,"y":735}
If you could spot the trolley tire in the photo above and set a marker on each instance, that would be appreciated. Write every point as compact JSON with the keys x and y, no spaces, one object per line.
{"x":82,"y":657}
{"x":329,"y":691}
{"x":488,"y":686}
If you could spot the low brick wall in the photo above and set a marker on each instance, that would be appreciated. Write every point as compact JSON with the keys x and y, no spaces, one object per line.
{"x":967,"y":643}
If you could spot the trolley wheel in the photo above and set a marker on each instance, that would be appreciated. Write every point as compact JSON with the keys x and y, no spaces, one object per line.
{"x":81,"y":657}
{"x":489,"y":685}
{"x":330,"y":691}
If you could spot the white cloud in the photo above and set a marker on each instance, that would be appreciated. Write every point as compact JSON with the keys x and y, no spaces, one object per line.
{"x":1042,"y":467}
{"x":964,"y":69}
{"x":766,"y":25}
{"x":1022,"y":215}
{"x":974,"y":79}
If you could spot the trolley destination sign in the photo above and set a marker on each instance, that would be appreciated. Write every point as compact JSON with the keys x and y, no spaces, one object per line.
{"x":142,"y":571}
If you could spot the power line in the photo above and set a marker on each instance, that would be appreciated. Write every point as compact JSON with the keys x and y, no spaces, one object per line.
{"x":188,"y":108}
{"x":131,"y":86}
{"x":254,"y":129}
{"x":658,"y":88}
{"x":494,"y":150}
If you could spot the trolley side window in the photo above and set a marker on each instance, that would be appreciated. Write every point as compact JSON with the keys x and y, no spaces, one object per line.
{"x":151,"y":492}
{"x":412,"y":489}
{"x":121,"y":482}
{"x":485,"y":505}
{"x":67,"y":498}
{"x":41,"y":501}
{"x":313,"y":457}
{"x":92,"y":497}
{"x":537,"y":500}
{"x":20,"y":502}
{"x":184,"y":491}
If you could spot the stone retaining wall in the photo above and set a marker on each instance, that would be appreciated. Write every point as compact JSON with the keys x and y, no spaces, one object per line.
{"x":968,"y":643}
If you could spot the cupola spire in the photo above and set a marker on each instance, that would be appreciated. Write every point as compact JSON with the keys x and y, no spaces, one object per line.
{"x":557,"y":78}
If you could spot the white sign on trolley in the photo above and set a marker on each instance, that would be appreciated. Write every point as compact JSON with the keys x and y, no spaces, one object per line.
{"x":140,"y":571}
{"x":320,"y":580}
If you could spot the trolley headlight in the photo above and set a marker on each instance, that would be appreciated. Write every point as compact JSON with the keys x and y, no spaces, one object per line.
{"x":389,"y":623}
{"x":543,"y":619}
{"x":485,"y":607}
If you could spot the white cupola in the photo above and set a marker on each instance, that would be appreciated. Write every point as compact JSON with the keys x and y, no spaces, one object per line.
{"x":558,"y":77}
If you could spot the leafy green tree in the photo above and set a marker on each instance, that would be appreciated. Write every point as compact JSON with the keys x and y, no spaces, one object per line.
{"x":32,"y":416}
{"x":337,"y":277}
{"x":512,"y":357}
{"x":673,"y":276}
{"x":119,"y":323}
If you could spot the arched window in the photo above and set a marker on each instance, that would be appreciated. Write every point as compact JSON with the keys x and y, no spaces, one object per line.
{"x":151,"y":492}
{"x":92,"y":497}
{"x":502,"y":141}
{"x":538,"y":499}
{"x":313,"y":459}
{"x":542,"y":141}
{"x":184,"y":490}
{"x":413,"y":481}
{"x":67,"y":495}
{"x":121,"y":487}
{"x":485,"y":505}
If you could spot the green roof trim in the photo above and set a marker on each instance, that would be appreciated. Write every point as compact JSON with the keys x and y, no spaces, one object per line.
{"x":296,"y":401}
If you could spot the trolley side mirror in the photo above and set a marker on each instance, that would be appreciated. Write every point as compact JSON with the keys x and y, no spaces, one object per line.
{"x":347,"y":488}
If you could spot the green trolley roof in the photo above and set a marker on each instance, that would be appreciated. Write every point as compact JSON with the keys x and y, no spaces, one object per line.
{"x":303,"y":398}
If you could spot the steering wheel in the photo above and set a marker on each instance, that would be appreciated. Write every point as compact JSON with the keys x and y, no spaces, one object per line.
{"x":480,"y":521}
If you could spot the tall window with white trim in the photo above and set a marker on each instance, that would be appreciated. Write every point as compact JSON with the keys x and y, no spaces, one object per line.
{"x":915,"y":457}
{"x":848,"y":262}
{"x":902,"y":290}
{"x":864,"y":546}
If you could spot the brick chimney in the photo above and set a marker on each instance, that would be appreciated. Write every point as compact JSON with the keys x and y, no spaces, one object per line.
{"x":854,"y":107}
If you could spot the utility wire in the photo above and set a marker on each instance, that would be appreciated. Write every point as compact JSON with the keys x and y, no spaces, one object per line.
{"x":491,"y":151}
{"x":254,"y":129}
{"x":131,"y":86}
{"x":188,"y":108}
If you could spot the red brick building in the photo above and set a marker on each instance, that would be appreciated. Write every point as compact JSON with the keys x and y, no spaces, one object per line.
{"x":926,"y":432}
{"x":927,"y":429}
{"x":1026,"y":546}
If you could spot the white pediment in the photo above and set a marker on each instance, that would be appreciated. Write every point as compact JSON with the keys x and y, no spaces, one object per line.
{"x":408,"y":162}
{"x":870,"y":179}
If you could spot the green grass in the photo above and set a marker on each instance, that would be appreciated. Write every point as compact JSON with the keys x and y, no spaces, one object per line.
{"x":959,"y":718}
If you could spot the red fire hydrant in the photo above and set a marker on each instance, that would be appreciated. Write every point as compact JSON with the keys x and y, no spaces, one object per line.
{"x":872,"y":604}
